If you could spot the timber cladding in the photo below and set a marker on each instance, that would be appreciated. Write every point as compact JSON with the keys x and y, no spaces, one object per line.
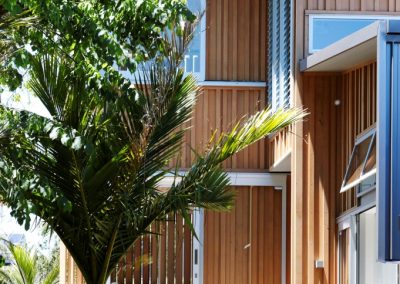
{"x":341,"y":106}
{"x":319,"y":179}
{"x":217,"y":110}
{"x":279,"y":146}
{"x":244,"y":245}
{"x":236,"y":44}
{"x":356,"y":113}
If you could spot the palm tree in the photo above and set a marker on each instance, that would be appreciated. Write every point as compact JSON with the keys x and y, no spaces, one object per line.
{"x":25,"y":268}
{"x":91,"y":171}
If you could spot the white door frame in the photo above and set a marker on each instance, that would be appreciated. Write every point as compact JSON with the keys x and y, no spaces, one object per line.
{"x":276,"y":180}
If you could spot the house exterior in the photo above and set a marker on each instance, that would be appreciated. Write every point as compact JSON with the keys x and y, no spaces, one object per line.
{"x":311,"y":199}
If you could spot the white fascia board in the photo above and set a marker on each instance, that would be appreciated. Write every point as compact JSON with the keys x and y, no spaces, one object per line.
{"x":247,"y":84}
{"x":357,"y":48}
{"x":237,"y":179}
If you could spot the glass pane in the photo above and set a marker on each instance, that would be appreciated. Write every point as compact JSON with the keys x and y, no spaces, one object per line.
{"x":192,"y":57}
{"x":367,"y":184}
{"x":371,"y":160}
{"x":357,"y":161}
{"x":370,"y":271}
{"x":327,"y":31}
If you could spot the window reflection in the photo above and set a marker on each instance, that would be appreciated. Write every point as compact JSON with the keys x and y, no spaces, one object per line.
{"x":370,"y":271}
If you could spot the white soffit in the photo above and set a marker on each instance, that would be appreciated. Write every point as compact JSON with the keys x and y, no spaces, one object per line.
{"x":353,"y":50}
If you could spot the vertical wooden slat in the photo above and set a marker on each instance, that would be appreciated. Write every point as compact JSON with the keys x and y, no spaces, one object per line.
{"x":188,"y":255}
{"x":128,"y":267}
{"x":146,"y":259}
{"x":171,"y":249}
{"x":263,"y":244}
{"x":236,"y":40}
{"x":277,"y":235}
{"x":225,"y":42}
{"x":179,"y":250}
{"x":154,"y":252}
{"x":137,"y":256}
{"x":163,"y":252}
{"x":219,"y":39}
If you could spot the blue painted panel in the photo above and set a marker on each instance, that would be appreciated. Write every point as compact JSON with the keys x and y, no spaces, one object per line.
{"x":388,"y":170}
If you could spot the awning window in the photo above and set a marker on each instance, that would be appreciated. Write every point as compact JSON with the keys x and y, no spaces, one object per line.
{"x":361,"y":169}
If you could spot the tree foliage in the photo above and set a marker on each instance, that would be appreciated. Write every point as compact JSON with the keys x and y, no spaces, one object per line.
{"x":99,"y":36}
{"x":91,"y":170}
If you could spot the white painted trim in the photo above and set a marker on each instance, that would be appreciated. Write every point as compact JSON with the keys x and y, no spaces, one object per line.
{"x":358,"y":181}
{"x":232,"y":84}
{"x":345,"y":217}
{"x":198,"y":245}
{"x":348,"y":220}
{"x":284,"y":221}
{"x":292,"y":52}
{"x":353,"y":249}
{"x":203,"y":49}
{"x":236,"y":179}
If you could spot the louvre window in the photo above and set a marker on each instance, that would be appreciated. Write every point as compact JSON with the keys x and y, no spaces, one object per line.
{"x":361,"y":170}
{"x":279,"y":53}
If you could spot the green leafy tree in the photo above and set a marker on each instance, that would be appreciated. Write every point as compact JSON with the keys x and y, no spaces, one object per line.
{"x":91,"y":171}
{"x":25,"y":268}
{"x":96,"y":35}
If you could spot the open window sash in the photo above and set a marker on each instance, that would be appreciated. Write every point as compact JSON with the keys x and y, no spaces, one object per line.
{"x":362,"y":164}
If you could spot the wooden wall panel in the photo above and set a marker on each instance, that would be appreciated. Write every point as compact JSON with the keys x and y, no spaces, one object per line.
{"x":341,"y":106}
{"x":356,"y":113}
{"x":279,"y":146}
{"x":244,"y":245}
{"x":236,"y":40}
{"x":344,"y":273}
{"x":219,"y":109}
{"x":319,"y":178}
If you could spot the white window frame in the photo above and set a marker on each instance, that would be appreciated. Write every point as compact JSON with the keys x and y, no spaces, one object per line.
{"x":334,"y":16}
{"x":349,"y":221}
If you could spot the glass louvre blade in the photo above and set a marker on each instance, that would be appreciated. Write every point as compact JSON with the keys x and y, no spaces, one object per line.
{"x":279,"y":52}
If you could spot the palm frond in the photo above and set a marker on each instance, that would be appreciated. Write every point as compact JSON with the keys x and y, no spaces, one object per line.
{"x":52,"y":276}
